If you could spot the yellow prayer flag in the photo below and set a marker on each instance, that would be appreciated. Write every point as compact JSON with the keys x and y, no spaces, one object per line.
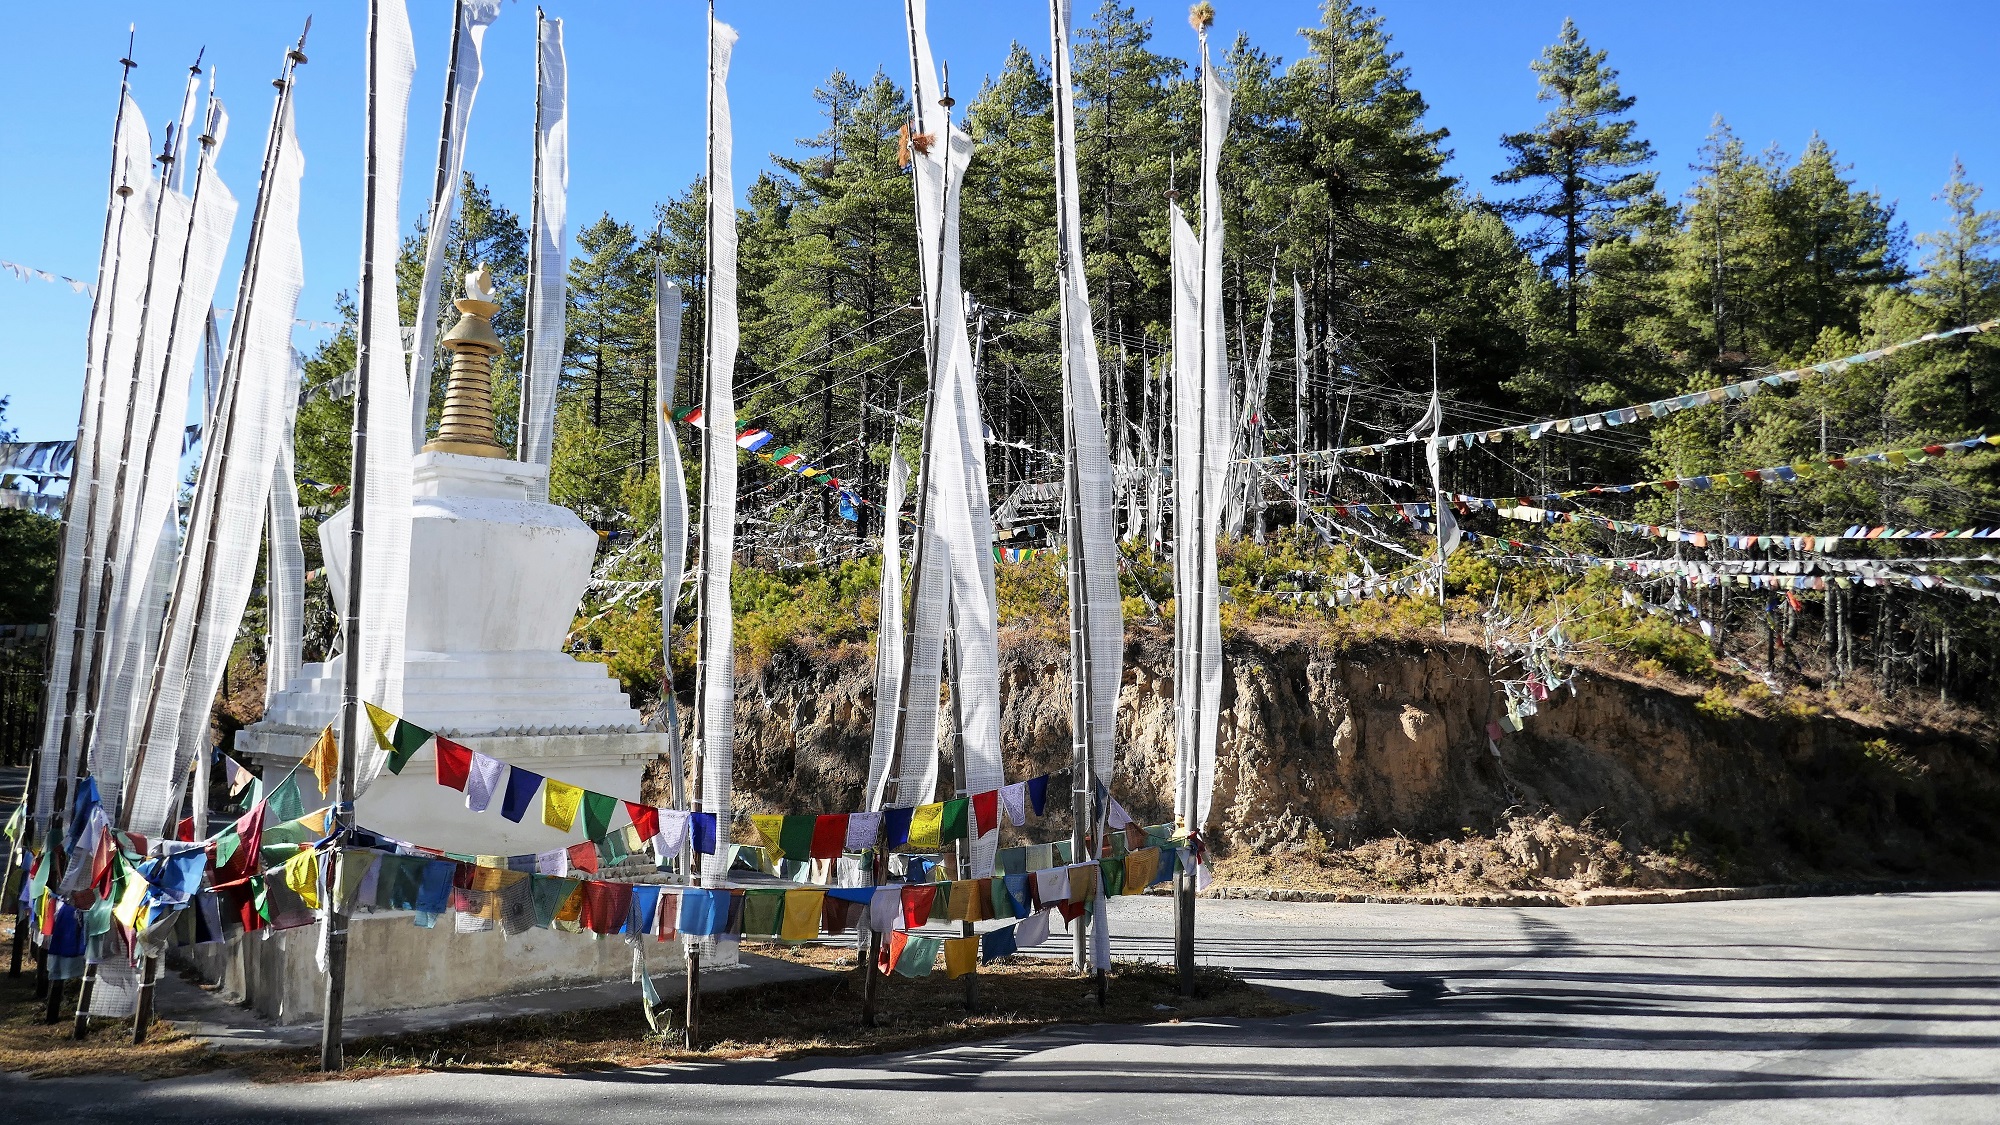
{"x":572,"y":907}
{"x":380,"y":721}
{"x":559,"y":804}
{"x":314,"y":821}
{"x":802,"y":909}
{"x":1082,"y":882}
{"x":1140,"y":867}
{"x":324,"y":759}
{"x":961,"y":956}
{"x":134,"y":899}
{"x":768,"y":827}
{"x":302,"y":876}
{"x":961,"y":908}
{"x":926,"y":825}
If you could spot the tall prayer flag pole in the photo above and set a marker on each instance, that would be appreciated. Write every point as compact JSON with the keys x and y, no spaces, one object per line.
{"x":331,"y":1057}
{"x":51,"y":768}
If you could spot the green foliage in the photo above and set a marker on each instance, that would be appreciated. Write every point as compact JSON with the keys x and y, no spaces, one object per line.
{"x":1586,"y":288}
{"x":814,"y":608}
{"x":1666,"y":644}
{"x":1715,"y":704}
{"x":28,"y":545}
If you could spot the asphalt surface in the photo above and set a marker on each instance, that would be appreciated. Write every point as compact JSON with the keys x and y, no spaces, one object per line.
{"x":1882,"y":1008}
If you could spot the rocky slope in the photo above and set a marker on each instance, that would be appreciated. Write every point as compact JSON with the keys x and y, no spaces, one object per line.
{"x":1366,"y":764}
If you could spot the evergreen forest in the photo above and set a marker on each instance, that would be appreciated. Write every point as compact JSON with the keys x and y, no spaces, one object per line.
{"x":1571,"y":283}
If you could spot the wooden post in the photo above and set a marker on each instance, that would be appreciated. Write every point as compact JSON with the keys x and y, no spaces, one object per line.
{"x":332,"y":1051}
{"x":82,"y":1027}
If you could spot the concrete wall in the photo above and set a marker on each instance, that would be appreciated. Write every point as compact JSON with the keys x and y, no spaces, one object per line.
{"x":394,"y":964}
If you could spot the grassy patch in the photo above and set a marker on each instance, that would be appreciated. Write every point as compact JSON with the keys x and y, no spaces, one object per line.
{"x":29,"y":1046}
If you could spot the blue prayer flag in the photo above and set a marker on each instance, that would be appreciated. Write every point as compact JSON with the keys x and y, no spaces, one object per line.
{"x":997,"y":943}
{"x":645,"y":899}
{"x":703,"y":826}
{"x":434,"y":893}
{"x":522,"y":785}
{"x":703,"y":911}
{"x":897,"y":821}
{"x":1038,"y":792}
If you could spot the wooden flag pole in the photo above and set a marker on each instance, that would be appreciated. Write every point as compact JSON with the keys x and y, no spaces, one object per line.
{"x":331,"y":1051}
{"x":69,"y":751}
{"x":702,"y":608}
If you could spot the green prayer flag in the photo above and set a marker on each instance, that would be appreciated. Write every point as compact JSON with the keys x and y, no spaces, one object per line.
{"x":1112,"y":877}
{"x":763,"y":912}
{"x":1003,"y":904}
{"x":795,"y":838}
{"x":954,"y":820}
{"x":941,"y":903}
{"x":408,"y":740}
{"x":285,"y":803}
{"x":226,"y":845}
{"x":597,"y":810}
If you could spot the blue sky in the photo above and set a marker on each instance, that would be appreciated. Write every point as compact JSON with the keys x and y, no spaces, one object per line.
{"x":1898,"y":90}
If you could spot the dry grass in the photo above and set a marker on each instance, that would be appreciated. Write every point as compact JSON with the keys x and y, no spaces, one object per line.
{"x":29,"y":1046}
{"x":772,"y":1021}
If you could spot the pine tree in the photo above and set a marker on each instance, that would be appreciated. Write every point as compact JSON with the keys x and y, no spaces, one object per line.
{"x":1961,"y":269}
{"x":1583,"y":162}
{"x":1370,"y":173}
{"x":835,"y":334}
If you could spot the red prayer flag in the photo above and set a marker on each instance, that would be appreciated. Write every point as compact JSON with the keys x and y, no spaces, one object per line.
{"x":917,"y":905}
{"x":583,"y":857}
{"x":986,"y":811}
{"x":829,"y":836}
{"x":892,"y":950}
{"x":645,"y":818}
{"x":454,"y":762}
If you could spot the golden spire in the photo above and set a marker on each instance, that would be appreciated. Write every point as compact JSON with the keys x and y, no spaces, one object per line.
{"x":467,"y":425}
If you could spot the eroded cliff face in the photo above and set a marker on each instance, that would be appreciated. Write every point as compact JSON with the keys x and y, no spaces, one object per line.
{"x":1330,"y":746}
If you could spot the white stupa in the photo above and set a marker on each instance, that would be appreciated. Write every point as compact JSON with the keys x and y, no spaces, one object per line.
{"x":495,"y":579}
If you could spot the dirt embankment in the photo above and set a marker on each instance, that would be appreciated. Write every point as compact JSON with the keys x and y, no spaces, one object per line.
{"x":1367,"y":766}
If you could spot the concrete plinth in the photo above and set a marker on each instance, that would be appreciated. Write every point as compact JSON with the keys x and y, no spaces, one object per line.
{"x":394,"y":965}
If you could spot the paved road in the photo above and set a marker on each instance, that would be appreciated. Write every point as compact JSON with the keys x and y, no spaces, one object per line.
{"x":1866,"y":1009}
